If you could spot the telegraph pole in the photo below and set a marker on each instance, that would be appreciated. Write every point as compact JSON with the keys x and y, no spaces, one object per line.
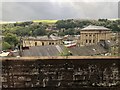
{"x":20,"y":47}
{"x":118,"y":43}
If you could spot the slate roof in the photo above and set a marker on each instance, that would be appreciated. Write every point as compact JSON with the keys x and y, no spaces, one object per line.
{"x":48,"y":50}
{"x":92,"y":27}
{"x":108,"y":43}
{"x":55,"y":50}
{"x":88,"y":50}
{"x":71,"y":37}
{"x":111,"y":43}
{"x":51,"y":37}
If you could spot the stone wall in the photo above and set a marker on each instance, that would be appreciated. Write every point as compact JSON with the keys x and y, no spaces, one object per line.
{"x":60,"y":73}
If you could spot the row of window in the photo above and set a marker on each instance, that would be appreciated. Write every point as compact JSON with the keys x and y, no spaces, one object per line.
{"x":90,"y":41}
{"x":90,"y":35}
{"x":44,"y":44}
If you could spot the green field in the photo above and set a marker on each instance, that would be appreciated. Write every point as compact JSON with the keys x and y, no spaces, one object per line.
{"x":45,"y":21}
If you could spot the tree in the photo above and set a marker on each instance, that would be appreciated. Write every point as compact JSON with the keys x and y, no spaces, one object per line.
{"x":11,"y":39}
{"x":39,"y":31}
{"x":22,"y":31}
{"x":5,"y":46}
{"x":69,"y":32}
{"x":23,"y":24}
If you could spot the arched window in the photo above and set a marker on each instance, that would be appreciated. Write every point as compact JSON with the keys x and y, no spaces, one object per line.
{"x":50,"y":43}
{"x":35,"y":43}
{"x":42,"y":43}
{"x":89,"y":41}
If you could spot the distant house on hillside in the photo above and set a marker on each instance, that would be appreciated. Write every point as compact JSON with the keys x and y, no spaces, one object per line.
{"x":93,"y":34}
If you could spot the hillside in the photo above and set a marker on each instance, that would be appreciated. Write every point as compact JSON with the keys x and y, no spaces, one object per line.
{"x":46,"y":21}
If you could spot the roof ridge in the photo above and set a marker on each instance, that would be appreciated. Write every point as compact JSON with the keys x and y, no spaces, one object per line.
{"x":94,"y":27}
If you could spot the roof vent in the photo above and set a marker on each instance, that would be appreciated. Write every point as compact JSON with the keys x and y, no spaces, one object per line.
{"x":109,"y":41}
{"x":94,"y":49}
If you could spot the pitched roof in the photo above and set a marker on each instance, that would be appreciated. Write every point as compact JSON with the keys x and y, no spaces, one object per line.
{"x":92,"y":27}
{"x":109,"y":43}
{"x":87,"y":50}
{"x":48,"y":50}
{"x":51,"y":37}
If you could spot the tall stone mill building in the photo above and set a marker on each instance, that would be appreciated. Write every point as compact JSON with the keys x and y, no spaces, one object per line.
{"x":93,"y":34}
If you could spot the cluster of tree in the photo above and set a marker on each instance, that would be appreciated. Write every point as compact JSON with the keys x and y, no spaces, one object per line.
{"x":24,"y":29}
{"x":71,"y":23}
{"x":70,"y":31}
{"x":13,"y":31}
{"x":9,"y":41}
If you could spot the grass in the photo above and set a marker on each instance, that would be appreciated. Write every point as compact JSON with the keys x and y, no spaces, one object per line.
{"x":46,"y":21}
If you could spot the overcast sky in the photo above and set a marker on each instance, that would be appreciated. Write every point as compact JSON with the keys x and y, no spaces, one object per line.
{"x":22,"y":11}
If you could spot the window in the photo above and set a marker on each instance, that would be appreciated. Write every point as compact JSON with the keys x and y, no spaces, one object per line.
{"x":42,"y":43}
{"x":52,"y":43}
{"x":49,"y":43}
{"x":89,"y":41}
{"x":35,"y":43}
{"x":86,"y":35}
{"x":90,"y":35}
{"x":86,"y":41}
{"x":93,"y":41}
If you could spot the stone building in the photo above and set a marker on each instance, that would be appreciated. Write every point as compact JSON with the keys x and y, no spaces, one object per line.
{"x":93,"y":34}
{"x":41,"y":41}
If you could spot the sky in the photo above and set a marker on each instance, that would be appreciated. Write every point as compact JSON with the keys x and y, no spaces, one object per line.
{"x":18,"y":10}
{"x":119,"y":9}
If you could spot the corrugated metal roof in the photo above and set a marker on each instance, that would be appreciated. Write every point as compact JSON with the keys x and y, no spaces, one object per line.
{"x":92,"y":27}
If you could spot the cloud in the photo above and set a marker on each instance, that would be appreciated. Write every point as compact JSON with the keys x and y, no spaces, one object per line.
{"x":119,"y":9}
{"x":21,"y":11}
{"x":59,"y":0}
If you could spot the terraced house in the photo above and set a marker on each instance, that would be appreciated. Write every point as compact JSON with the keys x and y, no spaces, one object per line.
{"x":41,"y":41}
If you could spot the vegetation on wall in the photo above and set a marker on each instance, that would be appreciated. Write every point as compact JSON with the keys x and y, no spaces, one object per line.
{"x":65,"y":52}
